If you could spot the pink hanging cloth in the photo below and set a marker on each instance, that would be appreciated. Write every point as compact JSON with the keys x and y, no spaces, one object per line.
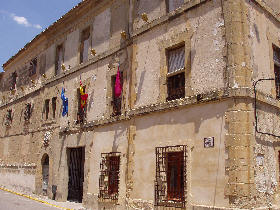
{"x":118,"y":86}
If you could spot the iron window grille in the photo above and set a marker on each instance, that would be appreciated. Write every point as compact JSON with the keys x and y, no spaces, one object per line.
{"x":54,"y":107}
{"x":109,"y":176}
{"x":176,"y":74}
{"x":27,"y":112}
{"x":47,"y":108}
{"x":81,"y":114}
{"x":276,"y":60}
{"x":116,"y":101}
{"x":171,"y":180}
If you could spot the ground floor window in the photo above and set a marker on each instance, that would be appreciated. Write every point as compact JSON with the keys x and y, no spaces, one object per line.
{"x":170,"y":184}
{"x":109,"y":176}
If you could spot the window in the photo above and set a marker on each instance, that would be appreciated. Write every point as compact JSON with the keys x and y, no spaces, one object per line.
{"x":173,"y":4}
{"x":54,"y":106}
{"x":109,"y":176}
{"x":170,"y":184}
{"x":84,"y":46}
{"x":82,"y":110}
{"x":14,"y":80}
{"x":176,"y":73}
{"x":59,"y":59}
{"x":27,"y":112}
{"x":33,"y":67}
{"x":116,"y":101}
{"x":276,"y":60}
{"x":47,"y":108}
{"x":9,"y":117}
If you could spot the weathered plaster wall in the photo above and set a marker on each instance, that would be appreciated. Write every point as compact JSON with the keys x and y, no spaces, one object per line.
{"x":187,"y":126}
{"x":105,"y":139}
{"x":264,"y":32}
{"x":205,"y":26}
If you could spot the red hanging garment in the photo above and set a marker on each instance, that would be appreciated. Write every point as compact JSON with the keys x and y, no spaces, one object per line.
{"x":118,"y":86}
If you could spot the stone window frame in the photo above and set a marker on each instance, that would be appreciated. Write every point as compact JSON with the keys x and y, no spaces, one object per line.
{"x":32,"y":69}
{"x":90,"y":28}
{"x":174,"y":41}
{"x":113,"y":68}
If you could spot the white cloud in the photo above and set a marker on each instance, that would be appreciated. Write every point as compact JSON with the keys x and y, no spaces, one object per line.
{"x":21,"y":20}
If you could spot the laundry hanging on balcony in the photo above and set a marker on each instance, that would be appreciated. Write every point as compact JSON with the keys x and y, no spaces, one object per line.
{"x":118,"y":86}
{"x":84,"y":96}
{"x":64,"y":103}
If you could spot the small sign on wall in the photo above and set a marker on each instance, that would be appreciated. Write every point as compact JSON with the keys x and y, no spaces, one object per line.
{"x":208,"y":142}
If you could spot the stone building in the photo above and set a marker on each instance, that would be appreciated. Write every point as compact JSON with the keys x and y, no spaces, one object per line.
{"x":182,"y":134}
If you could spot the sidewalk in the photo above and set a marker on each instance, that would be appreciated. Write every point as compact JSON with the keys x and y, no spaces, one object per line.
{"x":44,"y":199}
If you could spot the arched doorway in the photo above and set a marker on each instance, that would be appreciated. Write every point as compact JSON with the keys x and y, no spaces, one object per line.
{"x":45,"y":173}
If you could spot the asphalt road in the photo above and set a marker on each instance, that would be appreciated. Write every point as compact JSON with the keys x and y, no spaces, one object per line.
{"x":9,"y":201}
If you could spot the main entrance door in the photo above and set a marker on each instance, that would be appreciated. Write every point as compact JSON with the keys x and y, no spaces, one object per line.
{"x":76,"y":159}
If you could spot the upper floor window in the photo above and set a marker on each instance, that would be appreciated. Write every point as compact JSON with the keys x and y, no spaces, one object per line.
{"x":116,"y":101}
{"x":85,"y":44}
{"x":176,"y":73}
{"x":53,"y":106}
{"x":59,"y":59}
{"x":14,"y":80}
{"x":109,"y":176}
{"x":173,"y":4}
{"x":47,"y":108}
{"x":33,"y":67}
{"x":82,"y":104}
{"x":276,"y":60}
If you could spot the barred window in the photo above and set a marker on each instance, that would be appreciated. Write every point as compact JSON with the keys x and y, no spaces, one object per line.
{"x":276,"y":60}
{"x":170,"y":183}
{"x":53,"y":106}
{"x":174,"y":4}
{"x":109,"y":176}
{"x":176,"y":74}
{"x":27,"y":112}
{"x":14,"y":80}
{"x":116,"y":101}
{"x":47,"y":108}
{"x":82,"y":111}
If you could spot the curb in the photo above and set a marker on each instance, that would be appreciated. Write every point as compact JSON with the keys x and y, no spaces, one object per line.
{"x":35,"y":199}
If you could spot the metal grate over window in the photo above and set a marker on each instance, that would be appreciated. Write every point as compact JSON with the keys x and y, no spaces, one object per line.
{"x":109,"y":176}
{"x":171,"y":180}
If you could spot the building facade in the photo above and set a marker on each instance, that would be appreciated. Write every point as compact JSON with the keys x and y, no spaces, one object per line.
{"x":187,"y":130}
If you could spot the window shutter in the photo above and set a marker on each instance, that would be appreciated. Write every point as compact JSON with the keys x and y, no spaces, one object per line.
{"x":176,"y":59}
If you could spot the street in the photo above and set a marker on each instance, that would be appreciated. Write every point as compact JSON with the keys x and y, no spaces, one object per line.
{"x":9,"y":201}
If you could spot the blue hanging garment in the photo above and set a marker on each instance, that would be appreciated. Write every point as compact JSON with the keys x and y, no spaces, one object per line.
{"x":64,"y":103}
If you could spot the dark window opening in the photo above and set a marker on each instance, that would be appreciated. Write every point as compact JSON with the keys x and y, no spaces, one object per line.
{"x":172,"y":5}
{"x":9,"y":117}
{"x":27,"y":111}
{"x":170,"y":184}
{"x":47,"y":108}
{"x":116,"y":101}
{"x":276,"y":60}
{"x":85,"y":44}
{"x":176,"y":73}
{"x":109,"y":176}
{"x":14,"y":80}
{"x":59,"y":59}
{"x":54,"y":106}
{"x":81,"y":114}
{"x":33,"y":67}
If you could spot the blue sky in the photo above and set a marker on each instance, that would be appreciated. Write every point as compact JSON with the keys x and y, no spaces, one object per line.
{"x":22,"y":20}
